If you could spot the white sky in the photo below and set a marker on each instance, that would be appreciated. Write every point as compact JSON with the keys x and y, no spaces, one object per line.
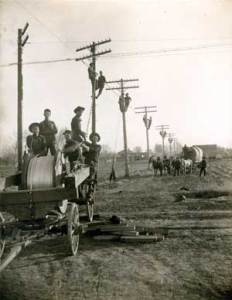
{"x":192,"y":89}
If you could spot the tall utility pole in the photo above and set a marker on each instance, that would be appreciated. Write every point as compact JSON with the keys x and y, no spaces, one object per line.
{"x":163,"y":133}
{"x":22,"y":39}
{"x":93,"y":55}
{"x":147,"y":122}
{"x":174,"y":146}
{"x":170,"y":140}
{"x":123,"y":105}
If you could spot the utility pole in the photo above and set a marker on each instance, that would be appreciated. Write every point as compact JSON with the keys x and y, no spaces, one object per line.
{"x":93,"y":55}
{"x":174,"y":146}
{"x":170,"y":140}
{"x":22,"y":39}
{"x":123,"y":105}
{"x":147,"y":122}
{"x":163,"y":134}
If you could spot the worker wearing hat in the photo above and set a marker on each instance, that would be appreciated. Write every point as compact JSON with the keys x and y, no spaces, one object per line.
{"x":92,"y":155}
{"x":77,"y":134}
{"x":49,"y":130}
{"x":36,"y":142}
{"x":72,"y":149}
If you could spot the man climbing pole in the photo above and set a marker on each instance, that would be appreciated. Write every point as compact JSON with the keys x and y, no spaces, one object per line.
{"x":100,"y":84}
{"x":127,"y":101}
{"x":92,"y":74}
{"x":121,"y":103}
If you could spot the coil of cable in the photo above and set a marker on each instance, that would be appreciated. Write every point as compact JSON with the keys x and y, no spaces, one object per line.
{"x":41,"y":172}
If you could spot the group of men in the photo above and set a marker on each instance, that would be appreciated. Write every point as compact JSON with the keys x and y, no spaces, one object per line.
{"x":76,"y":148}
{"x":172,"y":165}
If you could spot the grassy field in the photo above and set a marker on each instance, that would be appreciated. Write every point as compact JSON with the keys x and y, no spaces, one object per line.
{"x":193,"y":262}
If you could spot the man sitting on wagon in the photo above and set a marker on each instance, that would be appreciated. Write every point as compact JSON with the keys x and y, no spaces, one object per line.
{"x":36,"y":143}
{"x":72,"y":150}
{"x":92,"y":152}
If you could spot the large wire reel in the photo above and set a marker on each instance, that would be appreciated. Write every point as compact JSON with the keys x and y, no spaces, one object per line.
{"x":43,"y":172}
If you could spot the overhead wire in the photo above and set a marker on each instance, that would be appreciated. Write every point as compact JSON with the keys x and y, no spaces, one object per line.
{"x":167,"y":51}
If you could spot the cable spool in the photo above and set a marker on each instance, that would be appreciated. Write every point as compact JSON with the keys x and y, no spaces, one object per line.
{"x":43,"y":172}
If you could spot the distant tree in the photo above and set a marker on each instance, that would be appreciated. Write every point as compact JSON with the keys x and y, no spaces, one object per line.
{"x":137,"y":149}
{"x":158,"y":148}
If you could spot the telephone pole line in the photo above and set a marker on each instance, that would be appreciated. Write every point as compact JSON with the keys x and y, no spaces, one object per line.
{"x":163,"y":133}
{"x":170,"y":140}
{"x":93,"y":54}
{"x":147,"y":122}
{"x":22,"y":40}
{"x":124,"y":102}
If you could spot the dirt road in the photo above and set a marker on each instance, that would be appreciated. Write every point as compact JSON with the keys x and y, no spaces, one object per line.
{"x":193,"y":262}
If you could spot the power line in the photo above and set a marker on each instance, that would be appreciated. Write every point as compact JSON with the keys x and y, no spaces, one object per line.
{"x":127,"y":54}
{"x":168,"y":50}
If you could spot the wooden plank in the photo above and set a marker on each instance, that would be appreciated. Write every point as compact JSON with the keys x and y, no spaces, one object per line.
{"x":80,"y":175}
{"x":126,"y":233}
{"x":141,"y":238}
{"x":106,"y":238}
{"x":111,"y":228}
{"x":36,"y":196}
{"x":11,"y":180}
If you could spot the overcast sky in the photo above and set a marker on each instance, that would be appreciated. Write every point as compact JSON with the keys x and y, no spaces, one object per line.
{"x":181,"y":51}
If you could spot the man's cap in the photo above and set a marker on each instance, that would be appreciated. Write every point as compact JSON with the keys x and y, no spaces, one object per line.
{"x":79,"y":108}
{"x":47,"y":109}
{"x":94,"y":134}
{"x":33,"y":125}
{"x":67,"y":132}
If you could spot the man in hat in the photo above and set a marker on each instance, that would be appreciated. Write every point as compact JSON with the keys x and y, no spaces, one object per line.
{"x":36,"y":142}
{"x":92,"y":74}
{"x":72,"y":149}
{"x":92,"y":155}
{"x":77,"y":134}
{"x":127,"y":101}
{"x":48,"y":129}
{"x":100,"y":83}
{"x":203,"y":166}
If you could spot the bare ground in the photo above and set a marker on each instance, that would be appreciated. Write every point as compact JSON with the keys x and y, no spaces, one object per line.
{"x":193,"y":262}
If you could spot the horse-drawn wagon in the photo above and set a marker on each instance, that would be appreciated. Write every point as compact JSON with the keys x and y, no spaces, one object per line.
{"x":44,"y":199}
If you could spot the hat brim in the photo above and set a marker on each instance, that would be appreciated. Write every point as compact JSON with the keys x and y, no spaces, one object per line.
{"x":33,"y":125}
{"x":79,"y":109}
{"x":67,"y":132}
{"x":96,"y":134}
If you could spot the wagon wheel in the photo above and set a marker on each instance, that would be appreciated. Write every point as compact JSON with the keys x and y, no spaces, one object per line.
{"x":73,"y":228}
{"x":88,"y":192}
{"x":2,"y":241}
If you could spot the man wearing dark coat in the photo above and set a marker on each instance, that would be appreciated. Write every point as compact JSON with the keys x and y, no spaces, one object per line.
{"x":100,"y":84}
{"x":36,"y":142}
{"x":49,"y":130}
{"x":71,"y":149}
{"x":203,"y":165}
{"x":77,"y":134}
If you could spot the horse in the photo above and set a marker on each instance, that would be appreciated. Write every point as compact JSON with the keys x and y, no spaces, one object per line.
{"x":186,"y":166}
{"x":167,"y":166}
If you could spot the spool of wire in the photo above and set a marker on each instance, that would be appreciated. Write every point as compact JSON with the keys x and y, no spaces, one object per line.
{"x":42,"y":172}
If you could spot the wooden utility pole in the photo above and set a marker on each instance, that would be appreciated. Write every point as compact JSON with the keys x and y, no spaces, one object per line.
{"x":123,"y":105}
{"x":21,"y":43}
{"x":170,"y":140}
{"x":163,"y":133}
{"x":93,"y":55}
{"x":147,"y":122}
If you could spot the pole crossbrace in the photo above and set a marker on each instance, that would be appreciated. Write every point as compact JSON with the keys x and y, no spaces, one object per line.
{"x":126,"y":87}
{"x":93,"y":44}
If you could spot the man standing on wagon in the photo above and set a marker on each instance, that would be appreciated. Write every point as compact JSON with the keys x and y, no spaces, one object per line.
{"x":77,"y":134}
{"x":36,"y":143}
{"x":49,"y":130}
